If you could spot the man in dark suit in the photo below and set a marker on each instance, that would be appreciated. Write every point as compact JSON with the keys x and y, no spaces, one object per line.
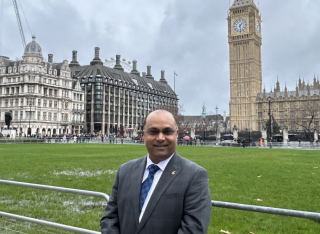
{"x":161,"y":193}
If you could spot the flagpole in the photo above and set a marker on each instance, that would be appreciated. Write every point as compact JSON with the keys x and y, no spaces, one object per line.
{"x":174,"y":81}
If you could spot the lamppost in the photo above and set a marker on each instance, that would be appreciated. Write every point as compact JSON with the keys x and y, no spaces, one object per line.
{"x":269,"y":113}
{"x":29,"y":129}
{"x":217,"y":121}
{"x":20,"y":132}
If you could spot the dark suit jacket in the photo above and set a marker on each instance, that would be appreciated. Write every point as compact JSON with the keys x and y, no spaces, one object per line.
{"x":180,"y":203}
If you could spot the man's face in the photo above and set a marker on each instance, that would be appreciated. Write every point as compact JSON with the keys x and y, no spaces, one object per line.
{"x":160,"y":136}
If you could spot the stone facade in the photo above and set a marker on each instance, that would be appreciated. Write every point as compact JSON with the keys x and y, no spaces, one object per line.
{"x":244,"y":37}
{"x":42,"y":96}
{"x":293,"y":110}
{"x":49,"y":98}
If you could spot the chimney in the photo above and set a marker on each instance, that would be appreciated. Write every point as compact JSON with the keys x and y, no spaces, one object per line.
{"x":162,"y":79}
{"x":96,"y":59}
{"x":118,"y":65}
{"x":143,"y":74}
{"x":50,"y":58}
{"x":96,"y":53}
{"x":134,"y":63}
{"x":134,"y":70}
{"x":74,"y":61}
{"x":149,"y":73}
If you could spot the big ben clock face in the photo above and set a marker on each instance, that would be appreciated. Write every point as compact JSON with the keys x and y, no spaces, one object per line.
{"x":240,"y":25}
{"x":258,"y":26}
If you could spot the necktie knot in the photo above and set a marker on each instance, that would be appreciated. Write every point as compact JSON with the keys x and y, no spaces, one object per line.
{"x":153,"y":169}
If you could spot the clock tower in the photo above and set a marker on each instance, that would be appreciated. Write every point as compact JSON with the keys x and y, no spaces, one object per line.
{"x":244,"y":36}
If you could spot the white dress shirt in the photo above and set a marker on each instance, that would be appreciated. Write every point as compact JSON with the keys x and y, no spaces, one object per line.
{"x":162,"y":165}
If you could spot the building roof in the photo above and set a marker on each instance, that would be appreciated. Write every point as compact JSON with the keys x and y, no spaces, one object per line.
{"x":89,"y":73}
{"x":242,"y":3}
{"x":289,"y":93}
{"x":33,"y":47}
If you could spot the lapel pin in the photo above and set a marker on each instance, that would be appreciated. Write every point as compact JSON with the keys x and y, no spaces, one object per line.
{"x":174,"y":172}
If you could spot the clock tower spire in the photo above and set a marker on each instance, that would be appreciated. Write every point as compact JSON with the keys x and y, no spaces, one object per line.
{"x":244,"y":37}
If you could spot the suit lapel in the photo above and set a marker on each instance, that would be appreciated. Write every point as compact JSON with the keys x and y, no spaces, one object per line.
{"x":165,"y":180}
{"x":137,"y":175}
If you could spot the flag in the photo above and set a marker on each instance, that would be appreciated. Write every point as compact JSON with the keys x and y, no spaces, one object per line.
{"x":175,"y":74}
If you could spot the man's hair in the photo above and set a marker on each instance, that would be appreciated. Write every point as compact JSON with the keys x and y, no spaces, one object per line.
{"x":160,"y":110}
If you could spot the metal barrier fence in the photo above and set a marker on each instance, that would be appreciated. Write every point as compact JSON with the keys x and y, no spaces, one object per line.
{"x":9,"y":224}
{"x":97,"y":140}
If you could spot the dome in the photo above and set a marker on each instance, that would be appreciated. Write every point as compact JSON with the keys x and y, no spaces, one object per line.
{"x":33,"y":47}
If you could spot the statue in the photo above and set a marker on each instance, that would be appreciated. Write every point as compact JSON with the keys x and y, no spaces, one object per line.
{"x":8,"y":117}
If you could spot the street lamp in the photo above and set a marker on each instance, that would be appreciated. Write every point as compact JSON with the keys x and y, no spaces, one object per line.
{"x":29,"y":129}
{"x":217,"y":121}
{"x":269,"y":113}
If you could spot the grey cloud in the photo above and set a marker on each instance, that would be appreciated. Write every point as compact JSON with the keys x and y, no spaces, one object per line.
{"x":185,"y":36}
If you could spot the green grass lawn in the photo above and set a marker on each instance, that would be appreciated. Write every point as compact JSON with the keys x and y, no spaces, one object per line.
{"x":287,"y":179}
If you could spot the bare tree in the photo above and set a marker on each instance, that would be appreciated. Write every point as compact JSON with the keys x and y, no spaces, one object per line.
{"x":307,"y":117}
{"x":178,"y":114}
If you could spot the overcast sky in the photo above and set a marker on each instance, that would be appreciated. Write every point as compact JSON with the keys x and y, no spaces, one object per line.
{"x":185,"y":36}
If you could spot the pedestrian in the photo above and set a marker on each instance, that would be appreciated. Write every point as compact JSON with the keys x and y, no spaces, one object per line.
{"x":162,"y":192}
{"x":198,"y":142}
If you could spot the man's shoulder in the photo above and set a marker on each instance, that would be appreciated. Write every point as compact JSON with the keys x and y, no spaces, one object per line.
{"x":134,"y":162}
{"x":186,"y":163}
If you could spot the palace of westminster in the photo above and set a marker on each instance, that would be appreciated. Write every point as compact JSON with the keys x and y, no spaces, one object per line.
{"x":56,"y":98}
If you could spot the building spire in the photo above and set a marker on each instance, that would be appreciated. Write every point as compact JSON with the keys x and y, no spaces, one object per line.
{"x":204,"y":113}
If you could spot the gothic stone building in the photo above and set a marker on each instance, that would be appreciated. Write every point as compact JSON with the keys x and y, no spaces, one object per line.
{"x":294,"y":110}
{"x":117,"y":101}
{"x":42,"y":96}
{"x":249,"y":105}
{"x":244,"y":36}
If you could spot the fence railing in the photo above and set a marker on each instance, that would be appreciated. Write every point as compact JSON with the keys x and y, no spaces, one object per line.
{"x":117,"y":140}
{"x":229,"y":205}
{"x":268,"y":210}
{"x":56,"y":189}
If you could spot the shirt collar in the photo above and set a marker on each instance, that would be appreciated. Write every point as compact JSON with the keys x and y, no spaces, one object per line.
{"x":162,"y":165}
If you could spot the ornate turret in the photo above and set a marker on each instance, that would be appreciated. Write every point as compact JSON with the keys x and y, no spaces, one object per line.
{"x":277,"y":86}
{"x":204,"y":113}
{"x":285,"y":91}
{"x":33,"y":49}
{"x":300,"y":84}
